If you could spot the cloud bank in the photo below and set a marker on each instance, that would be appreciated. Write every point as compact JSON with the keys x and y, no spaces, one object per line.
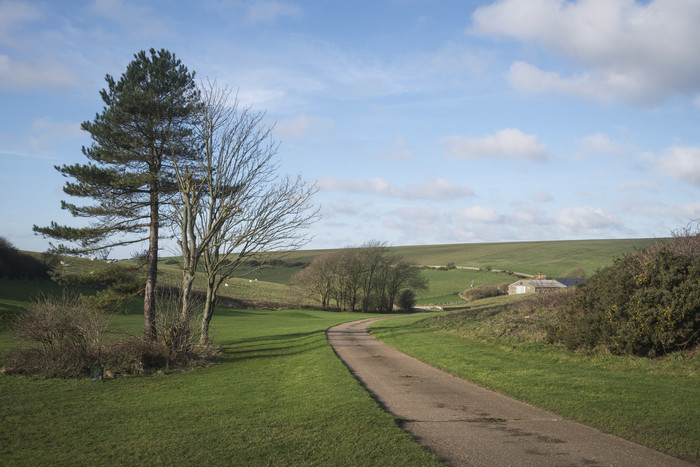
{"x":621,"y":49}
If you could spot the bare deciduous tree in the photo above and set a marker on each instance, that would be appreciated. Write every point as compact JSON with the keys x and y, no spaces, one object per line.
{"x":367,"y":276}
{"x":233,"y":203}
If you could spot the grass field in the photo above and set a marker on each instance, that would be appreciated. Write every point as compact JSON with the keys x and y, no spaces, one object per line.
{"x":551,"y":258}
{"x":279,"y":397}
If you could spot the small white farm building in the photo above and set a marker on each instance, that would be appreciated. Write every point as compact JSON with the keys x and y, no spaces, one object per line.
{"x":534,"y":286}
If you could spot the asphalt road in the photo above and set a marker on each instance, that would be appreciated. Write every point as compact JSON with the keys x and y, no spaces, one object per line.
{"x":465,"y":424}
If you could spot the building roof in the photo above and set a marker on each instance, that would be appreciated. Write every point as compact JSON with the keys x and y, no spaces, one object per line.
{"x":545,"y":284}
{"x":570,"y":281}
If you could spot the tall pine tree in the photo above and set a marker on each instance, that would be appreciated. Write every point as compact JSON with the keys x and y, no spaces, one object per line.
{"x":147,"y":120}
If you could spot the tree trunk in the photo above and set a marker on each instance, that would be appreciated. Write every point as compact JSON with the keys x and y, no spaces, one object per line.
{"x":149,"y":295}
{"x":187,"y":282}
{"x":208,"y":312}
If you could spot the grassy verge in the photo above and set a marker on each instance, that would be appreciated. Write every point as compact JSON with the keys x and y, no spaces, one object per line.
{"x":280,"y":396}
{"x":652,"y":402}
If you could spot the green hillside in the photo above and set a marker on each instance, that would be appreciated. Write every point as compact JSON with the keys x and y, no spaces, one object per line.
{"x":552,"y":258}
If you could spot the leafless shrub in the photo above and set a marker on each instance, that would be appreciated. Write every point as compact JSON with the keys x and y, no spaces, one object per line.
{"x":65,"y":337}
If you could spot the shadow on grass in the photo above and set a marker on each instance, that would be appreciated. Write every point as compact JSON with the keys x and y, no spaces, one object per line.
{"x":273,"y":346}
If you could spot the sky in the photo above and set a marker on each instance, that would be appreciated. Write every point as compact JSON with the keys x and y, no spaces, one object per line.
{"x":420,"y":121}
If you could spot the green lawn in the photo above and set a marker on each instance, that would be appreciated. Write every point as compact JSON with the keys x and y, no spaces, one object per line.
{"x":652,"y":402}
{"x":280,"y":396}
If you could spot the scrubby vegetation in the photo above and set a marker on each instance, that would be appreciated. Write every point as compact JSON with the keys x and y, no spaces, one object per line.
{"x":646,"y":303}
{"x":67,"y":337}
{"x":485,"y":291}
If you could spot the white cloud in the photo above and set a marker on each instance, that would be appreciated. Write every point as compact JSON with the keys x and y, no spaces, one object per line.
{"x":598,"y":143}
{"x":12,"y":15}
{"x":599,"y":85}
{"x":451,"y":59}
{"x":640,"y":186}
{"x":399,"y":150}
{"x":528,"y":217}
{"x":542,"y":196}
{"x":269,"y":11}
{"x":642,"y":52}
{"x":480,"y":214}
{"x":434,"y":190}
{"x":682,"y":163}
{"x":673,"y":215}
{"x":302,"y":126}
{"x":22,"y":76}
{"x":138,"y":19}
{"x":586,"y":220}
{"x":438,"y":189}
{"x":48,"y":132}
{"x":506,"y":143}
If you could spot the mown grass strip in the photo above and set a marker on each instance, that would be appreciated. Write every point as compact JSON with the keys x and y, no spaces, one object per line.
{"x":652,"y":402}
{"x":280,"y":396}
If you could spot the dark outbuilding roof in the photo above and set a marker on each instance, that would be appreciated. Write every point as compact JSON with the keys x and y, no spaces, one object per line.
{"x":570,"y":281}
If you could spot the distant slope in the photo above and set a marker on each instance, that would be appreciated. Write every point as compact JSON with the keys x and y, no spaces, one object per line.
{"x":552,"y":257}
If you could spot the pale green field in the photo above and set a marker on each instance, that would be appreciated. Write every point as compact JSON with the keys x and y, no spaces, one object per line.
{"x":552,"y":258}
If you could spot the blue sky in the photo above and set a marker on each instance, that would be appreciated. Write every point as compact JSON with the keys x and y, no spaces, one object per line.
{"x":421,"y":121}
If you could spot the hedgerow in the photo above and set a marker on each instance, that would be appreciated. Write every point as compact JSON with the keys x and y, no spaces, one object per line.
{"x":646,"y":303}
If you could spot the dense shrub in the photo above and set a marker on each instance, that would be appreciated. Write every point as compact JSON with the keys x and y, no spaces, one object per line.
{"x":647,"y":303}
{"x":485,"y":291}
{"x":406,"y":301}
{"x":17,"y":265}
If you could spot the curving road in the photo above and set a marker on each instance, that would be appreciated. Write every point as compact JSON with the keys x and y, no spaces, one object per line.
{"x":466,"y":424}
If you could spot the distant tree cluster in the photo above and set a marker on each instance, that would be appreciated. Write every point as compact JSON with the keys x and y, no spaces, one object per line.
{"x":366,"y":279}
{"x":17,"y":265}
{"x":646,"y":303}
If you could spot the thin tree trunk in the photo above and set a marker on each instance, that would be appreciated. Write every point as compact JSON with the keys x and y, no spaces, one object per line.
{"x":187,"y":282}
{"x":209,"y":306}
{"x":149,"y":295}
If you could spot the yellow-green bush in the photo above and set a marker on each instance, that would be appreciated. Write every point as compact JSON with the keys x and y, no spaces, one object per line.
{"x":647,"y":303}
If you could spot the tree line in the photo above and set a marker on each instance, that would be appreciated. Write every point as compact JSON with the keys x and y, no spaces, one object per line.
{"x":365,"y":279}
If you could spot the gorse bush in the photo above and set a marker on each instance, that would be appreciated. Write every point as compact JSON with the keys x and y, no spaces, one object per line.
{"x":647,"y":303}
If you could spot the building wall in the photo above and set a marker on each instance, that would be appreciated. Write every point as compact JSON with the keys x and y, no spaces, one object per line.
{"x":520,"y":287}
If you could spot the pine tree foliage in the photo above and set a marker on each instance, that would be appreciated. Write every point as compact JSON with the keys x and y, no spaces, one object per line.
{"x":146,"y":123}
{"x":146,"y":120}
